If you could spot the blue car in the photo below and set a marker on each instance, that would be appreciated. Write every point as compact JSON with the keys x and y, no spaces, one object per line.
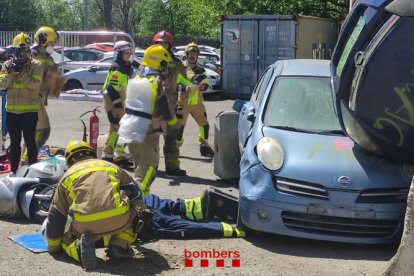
{"x":300,"y":175}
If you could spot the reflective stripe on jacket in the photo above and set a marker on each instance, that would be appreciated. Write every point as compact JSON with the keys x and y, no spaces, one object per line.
{"x":195,"y":96}
{"x":91,"y":189}
{"x":22,"y":90}
{"x":115,"y":87}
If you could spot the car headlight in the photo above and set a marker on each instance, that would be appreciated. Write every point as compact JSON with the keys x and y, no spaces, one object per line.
{"x":270,"y":153}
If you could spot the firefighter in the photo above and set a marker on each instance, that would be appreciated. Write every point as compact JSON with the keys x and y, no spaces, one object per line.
{"x":21,"y":77}
{"x":151,"y":74}
{"x":176,"y":71}
{"x":101,"y":202}
{"x":45,"y":39}
{"x":114,"y":100}
{"x":191,"y":100}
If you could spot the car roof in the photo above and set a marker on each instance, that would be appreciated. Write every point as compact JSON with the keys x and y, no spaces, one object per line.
{"x":304,"y":67}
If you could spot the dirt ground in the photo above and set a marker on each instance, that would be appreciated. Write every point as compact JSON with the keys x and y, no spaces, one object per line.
{"x":260,"y":254}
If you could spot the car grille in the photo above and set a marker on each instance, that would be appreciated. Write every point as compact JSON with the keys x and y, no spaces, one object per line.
{"x":339,"y":226}
{"x":301,"y":188}
{"x":383,"y":195}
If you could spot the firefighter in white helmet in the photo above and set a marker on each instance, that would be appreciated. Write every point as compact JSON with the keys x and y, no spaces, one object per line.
{"x":115,"y":87}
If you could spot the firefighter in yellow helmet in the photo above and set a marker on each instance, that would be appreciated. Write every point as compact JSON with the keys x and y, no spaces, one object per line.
{"x":102,"y":203}
{"x":45,"y":39}
{"x":152,"y":73}
{"x":191,"y":100}
{"x":115,"y":87}
{"x":21,"y":77}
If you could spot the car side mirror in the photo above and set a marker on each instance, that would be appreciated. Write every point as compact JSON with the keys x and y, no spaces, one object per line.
{"x":251,"y":116}
{"x":238,"y":105}
{"x":93,"y":69}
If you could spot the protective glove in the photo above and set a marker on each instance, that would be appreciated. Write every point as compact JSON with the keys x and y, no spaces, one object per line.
{"x":133,"y":192}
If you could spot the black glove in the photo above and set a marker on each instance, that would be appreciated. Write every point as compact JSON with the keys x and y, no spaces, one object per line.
{"x":133,"y":192}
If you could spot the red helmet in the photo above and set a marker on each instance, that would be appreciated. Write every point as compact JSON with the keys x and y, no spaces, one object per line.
{"x":163,"y":36}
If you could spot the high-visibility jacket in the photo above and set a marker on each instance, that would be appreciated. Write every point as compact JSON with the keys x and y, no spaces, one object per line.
{"x":49,"y":67}
{"x":196,"y":75}
{"x":115,"y":86}
{"x":91,"y":189}
{"x":22,"y":90}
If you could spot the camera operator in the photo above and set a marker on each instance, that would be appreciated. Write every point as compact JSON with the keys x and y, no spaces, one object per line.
{"x":21,"y":77}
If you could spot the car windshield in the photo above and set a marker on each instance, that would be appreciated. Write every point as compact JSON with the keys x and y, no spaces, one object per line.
{"x":302,"y":104}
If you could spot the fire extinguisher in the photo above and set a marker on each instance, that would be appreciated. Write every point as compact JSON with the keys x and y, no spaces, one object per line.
{"x":93,"y":128}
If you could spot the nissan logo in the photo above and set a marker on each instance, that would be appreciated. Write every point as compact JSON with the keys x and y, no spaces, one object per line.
{"x":344,"y":181}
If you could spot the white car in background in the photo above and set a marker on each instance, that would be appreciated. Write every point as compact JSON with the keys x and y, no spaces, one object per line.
{"x":93,"y":77}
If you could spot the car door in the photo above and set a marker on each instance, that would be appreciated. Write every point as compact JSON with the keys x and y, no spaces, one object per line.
{"x":97,"y":78}
{"x":248,"y":111}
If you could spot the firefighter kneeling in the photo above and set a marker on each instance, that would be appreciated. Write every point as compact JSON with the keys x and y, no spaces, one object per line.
{"x":103,"y":205}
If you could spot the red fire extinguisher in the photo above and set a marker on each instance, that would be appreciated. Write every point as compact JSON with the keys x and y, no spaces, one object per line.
{"x":93,"y":128}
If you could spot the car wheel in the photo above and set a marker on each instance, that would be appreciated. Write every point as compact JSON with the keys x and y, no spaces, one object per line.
{"x":72,"y":84}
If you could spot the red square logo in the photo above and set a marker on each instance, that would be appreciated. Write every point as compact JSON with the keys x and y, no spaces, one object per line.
{"x":203,"y":263}
{"x":188,"y":263}
{"x":219,"y":263}
{"x":235,"y":263}
{"x":114,"y":77}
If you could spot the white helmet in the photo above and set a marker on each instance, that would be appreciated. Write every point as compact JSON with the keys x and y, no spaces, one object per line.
{"x":122,"y":45}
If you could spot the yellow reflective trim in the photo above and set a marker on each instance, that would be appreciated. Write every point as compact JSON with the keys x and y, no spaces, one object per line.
{"x":173,"y":121}
{"x":37,"y":77}
{"x":55,"y":242}
{"x":193,"y":97}
{"x":71,"y":250}
{"x":93,"y":168}
{"x":227,"y":230}
{"x":17,"y":85}
{"x":101,"y":215}
{"x":240,"y":233}
{"x":201,"y":134}
{"x":189,"y":205}
{"x":145,"y":183}
{"x":127,"y":235}
{"x":115,"y":192}
{"x":198,"y":209}
{"x":22,"y":107}
{"x":106,"y":240}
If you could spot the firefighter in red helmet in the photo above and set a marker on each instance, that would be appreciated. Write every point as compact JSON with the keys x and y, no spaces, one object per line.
{"x":177,"y":72}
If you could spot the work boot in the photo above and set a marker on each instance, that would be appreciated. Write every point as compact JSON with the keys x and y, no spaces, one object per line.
{"x":175,"y":172}
{"x":117,"y":252}
{"x":87,"y":251}
{"x":205,"y":204}
{"x":206,"y":150}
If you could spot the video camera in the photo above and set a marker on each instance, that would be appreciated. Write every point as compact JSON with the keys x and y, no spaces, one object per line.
{"x":17,"y":57}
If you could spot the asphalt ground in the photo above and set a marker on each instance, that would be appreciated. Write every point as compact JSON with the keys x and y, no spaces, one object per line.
{"x":259,"y":254}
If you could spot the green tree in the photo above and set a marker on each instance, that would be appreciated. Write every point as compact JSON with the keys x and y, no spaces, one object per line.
{"x":18,"y":15}
{"x":61,"y":14}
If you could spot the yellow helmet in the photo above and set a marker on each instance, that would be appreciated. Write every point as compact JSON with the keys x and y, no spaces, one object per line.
{"x":44,"y":35}
{"x":156,"y":57}
{"x":22,"y":40}
{"x":77,"y":150}
{"x":192,"y":47}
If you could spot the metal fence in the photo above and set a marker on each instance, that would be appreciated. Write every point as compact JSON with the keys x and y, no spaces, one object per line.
{"x":69,"y":40}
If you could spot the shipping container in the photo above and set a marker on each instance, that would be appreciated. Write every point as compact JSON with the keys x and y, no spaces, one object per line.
{"x":250,"y":43}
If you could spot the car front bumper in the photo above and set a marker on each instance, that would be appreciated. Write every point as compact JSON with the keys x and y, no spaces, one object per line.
{"x":340,"y":219}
